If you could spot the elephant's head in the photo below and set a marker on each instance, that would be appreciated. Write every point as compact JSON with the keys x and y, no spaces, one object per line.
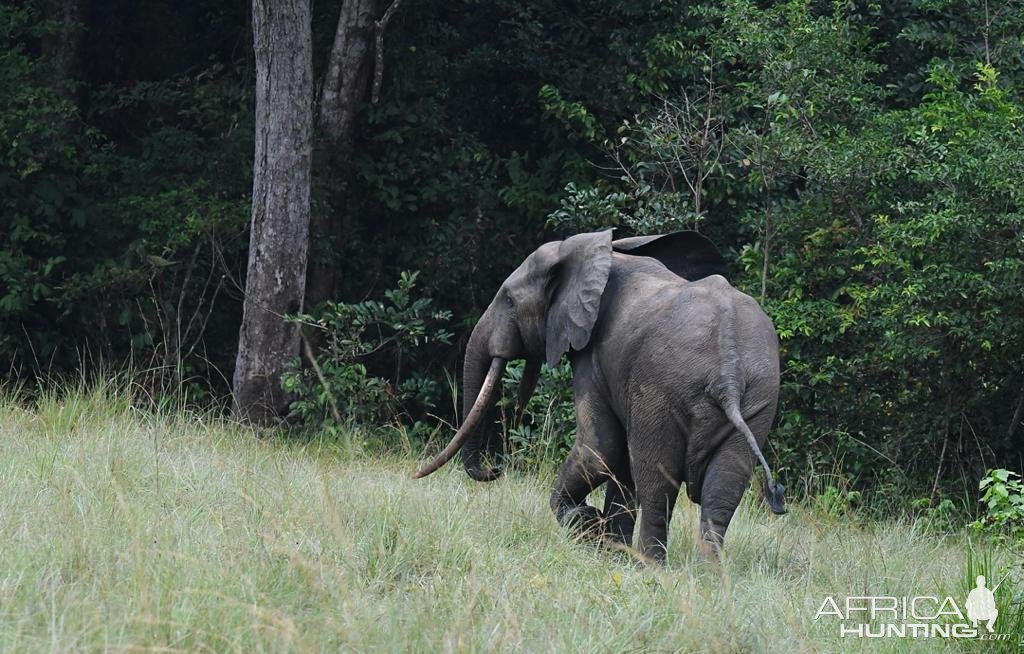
{"x":548,"y":305}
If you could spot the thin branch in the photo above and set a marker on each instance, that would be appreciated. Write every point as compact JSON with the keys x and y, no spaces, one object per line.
{"x":378,"y":69}
{"x":198,"y":311}
{"x":1018,"y":414}
{"x":206,"y":319}
{"x":308,"y":351}
{"x":181,"y":298}
{"x":942,"y":455}
{"x":985,"y":34}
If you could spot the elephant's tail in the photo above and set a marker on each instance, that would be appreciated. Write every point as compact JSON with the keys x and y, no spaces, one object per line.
{"x":773,"y":492}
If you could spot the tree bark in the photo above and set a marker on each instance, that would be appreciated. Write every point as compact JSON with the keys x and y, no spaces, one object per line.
{"x":279,"y":236}
{"x":64,"y":47}
{"x":343,"y":91}
{"x":348,"y":69}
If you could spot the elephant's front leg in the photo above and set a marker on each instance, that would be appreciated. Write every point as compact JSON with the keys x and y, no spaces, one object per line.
{"x":600,"y":446}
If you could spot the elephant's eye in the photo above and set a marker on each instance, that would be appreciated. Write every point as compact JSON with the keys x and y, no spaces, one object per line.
{"x":508,"y":300}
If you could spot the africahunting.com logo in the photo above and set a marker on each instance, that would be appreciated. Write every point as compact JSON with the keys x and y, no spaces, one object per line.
{"x":918,"y":616}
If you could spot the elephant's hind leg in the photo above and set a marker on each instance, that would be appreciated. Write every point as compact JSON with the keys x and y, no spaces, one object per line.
{"x":658,"y":459}
{"x":600,"y":446}
{"x":620,"y":504}
{"x":726,"y":479}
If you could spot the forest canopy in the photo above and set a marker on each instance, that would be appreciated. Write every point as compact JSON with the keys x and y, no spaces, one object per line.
{"x":859,"y":164}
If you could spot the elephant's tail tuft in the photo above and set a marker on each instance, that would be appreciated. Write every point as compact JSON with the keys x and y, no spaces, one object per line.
{"x":773,"y":491}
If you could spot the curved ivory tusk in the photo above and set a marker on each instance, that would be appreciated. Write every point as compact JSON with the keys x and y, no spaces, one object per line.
{"x":469,"y":425}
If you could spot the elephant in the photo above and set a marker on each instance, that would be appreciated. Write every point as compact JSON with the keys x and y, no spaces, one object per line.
{"x":675,"y":381}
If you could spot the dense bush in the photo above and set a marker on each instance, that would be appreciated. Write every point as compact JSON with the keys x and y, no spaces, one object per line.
{"x":885,"y":242}
{"x":547,"y":429}
{"x":859,"y":164}
{"x":1002,"y":493}
{"x":120,"y":248}
{"x":334,"y":386}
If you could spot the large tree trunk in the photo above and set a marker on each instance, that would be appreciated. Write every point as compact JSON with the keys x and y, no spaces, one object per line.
{"x":344,"y":90}
{"x":63,"y":47}
{"x":348,"y":70}
{"x":279,"y":237}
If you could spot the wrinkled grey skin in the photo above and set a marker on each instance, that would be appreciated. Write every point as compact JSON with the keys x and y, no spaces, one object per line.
{"x":668,"y":374}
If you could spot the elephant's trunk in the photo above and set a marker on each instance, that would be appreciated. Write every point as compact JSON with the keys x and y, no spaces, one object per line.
{"x":494,"y":341}
{"x":483,"y":450}
{"x":486,"y":395}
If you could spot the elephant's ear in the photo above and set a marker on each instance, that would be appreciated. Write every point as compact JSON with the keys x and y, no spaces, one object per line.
{"x":578,"y":280}
{"x":686,"y":253}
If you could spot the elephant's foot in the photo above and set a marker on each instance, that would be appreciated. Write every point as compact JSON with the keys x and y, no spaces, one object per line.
{"x":615,"y":541}
{"x":712,"y":536}
{"x":586,"y":522}
{"x":615,"y":536}
{"x":707,"y":553}
{"x":583,"y":520}
{"x":654,"y":557}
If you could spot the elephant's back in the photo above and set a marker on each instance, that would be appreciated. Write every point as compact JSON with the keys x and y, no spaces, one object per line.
{"x":737,"y":328}
{"x":670,"y":335}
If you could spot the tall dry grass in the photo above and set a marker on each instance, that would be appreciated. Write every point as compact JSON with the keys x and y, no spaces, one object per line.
{"x":122,"y":529}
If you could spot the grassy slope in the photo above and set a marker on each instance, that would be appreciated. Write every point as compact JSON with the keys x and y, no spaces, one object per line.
{"x":124,"y":530}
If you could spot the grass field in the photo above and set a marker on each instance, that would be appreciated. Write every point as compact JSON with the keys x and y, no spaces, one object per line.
{"x":125,"y":530}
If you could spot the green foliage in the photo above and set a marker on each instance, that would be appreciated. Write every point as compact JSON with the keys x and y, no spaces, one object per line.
{"x":860,"y":164}
{"x":886,"y":312}
{"x":547,"y":429}
{"x":590,"y":209}
{"x":883,"y":239}
{"x":40,"y":193}
{"x":573,"y":115}
{"x":1004,"y":578}
{"x":1003,"y":497}
{"x":834,"y":502}
{"x":116,"y":248}
{"x":357,"y":340}
{"x":943,"y":517}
